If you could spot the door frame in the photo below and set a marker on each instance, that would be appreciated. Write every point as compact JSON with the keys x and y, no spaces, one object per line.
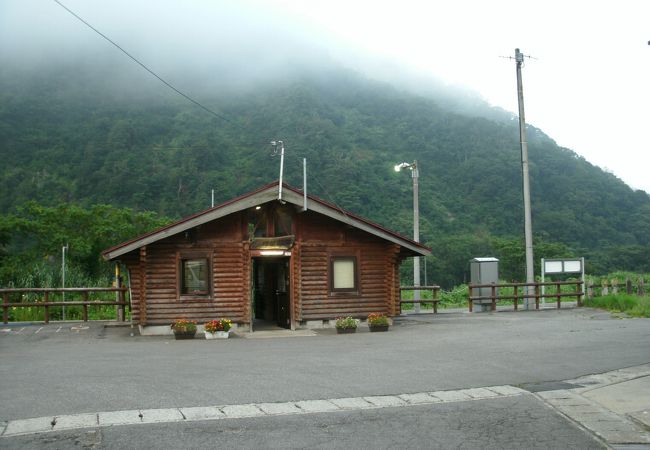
{"x":285,"y":255}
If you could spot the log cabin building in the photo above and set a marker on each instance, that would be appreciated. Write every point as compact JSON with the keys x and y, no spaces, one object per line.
{"x":269,"y":256}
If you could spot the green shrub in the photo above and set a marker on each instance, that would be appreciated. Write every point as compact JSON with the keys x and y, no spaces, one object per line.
{"x":630,"y":304}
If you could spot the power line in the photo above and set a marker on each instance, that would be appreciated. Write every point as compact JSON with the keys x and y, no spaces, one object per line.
{"x":162,"y":80}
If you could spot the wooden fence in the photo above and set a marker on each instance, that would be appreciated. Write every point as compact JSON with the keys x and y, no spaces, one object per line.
{"x":516,"y":295}
{"x":614,"y":286}
{"x":44,"y":300}
{"x":433,"y":300}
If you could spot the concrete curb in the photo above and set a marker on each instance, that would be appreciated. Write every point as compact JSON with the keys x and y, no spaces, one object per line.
{"x":147,"y":416}
{"x":585,"y":406}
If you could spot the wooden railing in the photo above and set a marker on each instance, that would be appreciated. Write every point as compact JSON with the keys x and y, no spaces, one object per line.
{"x":45,"y":302}
{"x":516,"y":295}
{"x":434,"y":294}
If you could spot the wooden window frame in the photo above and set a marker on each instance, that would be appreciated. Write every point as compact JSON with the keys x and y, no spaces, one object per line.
{"x":181,"y":259}
{"x":349,"y":256}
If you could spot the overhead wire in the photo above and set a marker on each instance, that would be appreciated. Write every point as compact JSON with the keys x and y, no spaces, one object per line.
{"x":162,"y":80}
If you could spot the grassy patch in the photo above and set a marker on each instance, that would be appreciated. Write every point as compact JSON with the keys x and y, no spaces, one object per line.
{"x":631,"y":305}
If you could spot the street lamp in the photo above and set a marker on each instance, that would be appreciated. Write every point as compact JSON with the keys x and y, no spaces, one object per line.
{"x":416,"y":226}
{"x":63,"y":250}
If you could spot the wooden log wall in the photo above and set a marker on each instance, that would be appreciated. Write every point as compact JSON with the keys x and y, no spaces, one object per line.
{"x":296,"y":292}
{"x":156,"y":273}
{"x":393,"y":280}
{"x":143,"y":285}
{"x":376,"y":285}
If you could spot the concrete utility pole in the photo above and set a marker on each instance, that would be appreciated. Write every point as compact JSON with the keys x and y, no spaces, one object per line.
{"x":528,"y":227}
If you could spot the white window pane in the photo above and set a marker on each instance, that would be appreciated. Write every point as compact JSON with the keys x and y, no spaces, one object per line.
{"x":195,"y":274}
{"x":344,"y":274}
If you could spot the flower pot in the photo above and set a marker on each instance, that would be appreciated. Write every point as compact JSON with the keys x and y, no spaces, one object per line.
{"x":374,"y":328}
{"x":217,"y":335}
{"x":345,"y":330}
{"x":184,"y":334}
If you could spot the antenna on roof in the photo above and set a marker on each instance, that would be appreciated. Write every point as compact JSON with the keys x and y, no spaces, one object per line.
{"x":304,"y":184}
{"x":275,"y":152}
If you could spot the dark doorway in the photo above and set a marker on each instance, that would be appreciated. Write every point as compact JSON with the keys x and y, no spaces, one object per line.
{"x":270,"y":292}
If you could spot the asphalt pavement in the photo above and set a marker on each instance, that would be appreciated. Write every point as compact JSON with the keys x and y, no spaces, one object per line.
{"x":575,"y":378}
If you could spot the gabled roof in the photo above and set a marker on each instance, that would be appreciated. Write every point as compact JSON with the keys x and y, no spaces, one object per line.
{"x":264,"y":195}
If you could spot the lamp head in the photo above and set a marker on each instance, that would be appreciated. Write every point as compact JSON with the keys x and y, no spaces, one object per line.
{"x":401,"y":166}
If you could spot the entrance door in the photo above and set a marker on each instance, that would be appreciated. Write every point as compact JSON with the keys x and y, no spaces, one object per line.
{"x":271,"y":299}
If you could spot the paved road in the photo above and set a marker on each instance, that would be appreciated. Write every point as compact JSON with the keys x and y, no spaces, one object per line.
{"x":88,"y":370}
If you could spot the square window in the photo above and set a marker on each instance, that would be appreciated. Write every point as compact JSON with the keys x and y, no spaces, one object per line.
{"x":344,"y":274}
{"x":195,"y":279}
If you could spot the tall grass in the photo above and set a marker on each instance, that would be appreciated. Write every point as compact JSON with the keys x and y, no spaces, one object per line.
{"x":45,"y":275}
{"x":631,"y":305}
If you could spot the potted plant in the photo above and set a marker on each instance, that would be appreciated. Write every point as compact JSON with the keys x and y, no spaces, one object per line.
{"x":217,"y":329}
{"x":346,"y":325}
{"x":377,"y":322}
{"x":184,"y":329}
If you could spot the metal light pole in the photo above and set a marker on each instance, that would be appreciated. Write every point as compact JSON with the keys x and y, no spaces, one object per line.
{"x":528,"y":228}
{"x":416,"y":225}
{"x":63,"y":250}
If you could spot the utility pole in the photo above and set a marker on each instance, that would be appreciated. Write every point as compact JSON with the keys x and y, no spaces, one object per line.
{"x":528,"y":227}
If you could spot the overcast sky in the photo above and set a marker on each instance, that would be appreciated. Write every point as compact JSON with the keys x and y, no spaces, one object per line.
{"x":587,"y":88}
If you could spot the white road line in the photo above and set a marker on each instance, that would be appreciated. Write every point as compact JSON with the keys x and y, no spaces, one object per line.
{"x":21,"y":330}
{"x":36,"y":332}
{"x":58,"y":329}
{"x":224,"y":412}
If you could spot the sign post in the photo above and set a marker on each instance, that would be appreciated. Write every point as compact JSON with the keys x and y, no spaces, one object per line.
{"x":562,"y":266}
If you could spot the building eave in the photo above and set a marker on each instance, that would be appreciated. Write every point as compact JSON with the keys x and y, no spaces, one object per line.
{"x":263,"y":195}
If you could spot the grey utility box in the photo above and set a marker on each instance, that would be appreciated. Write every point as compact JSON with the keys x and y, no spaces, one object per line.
{"x":483,"y":271}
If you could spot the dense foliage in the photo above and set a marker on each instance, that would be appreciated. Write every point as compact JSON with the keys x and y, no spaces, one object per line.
{"x":75,"y":138}
{"x":31,"y":254}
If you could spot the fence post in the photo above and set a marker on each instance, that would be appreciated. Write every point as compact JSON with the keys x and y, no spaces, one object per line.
{"x":469,"y":297}
{"x":559,"y":295}
{"x":46,"y":316}
{"x":537,"y":296}
{"x":614,"y":286}
{"x":121,"y":308}
{"x":605,"y":287}
{"x":494,"y":297}
{"x":590,"y":289}
{"x":84,"y":298}
{"x":5,"y":308}
{"x":516,"y":299}
{"x":579,"y":291}
{"x":641,"y":289}
{"x":628,"y":286}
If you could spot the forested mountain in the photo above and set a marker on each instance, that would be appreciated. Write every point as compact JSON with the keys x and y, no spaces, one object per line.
{"x":94,"y":136}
